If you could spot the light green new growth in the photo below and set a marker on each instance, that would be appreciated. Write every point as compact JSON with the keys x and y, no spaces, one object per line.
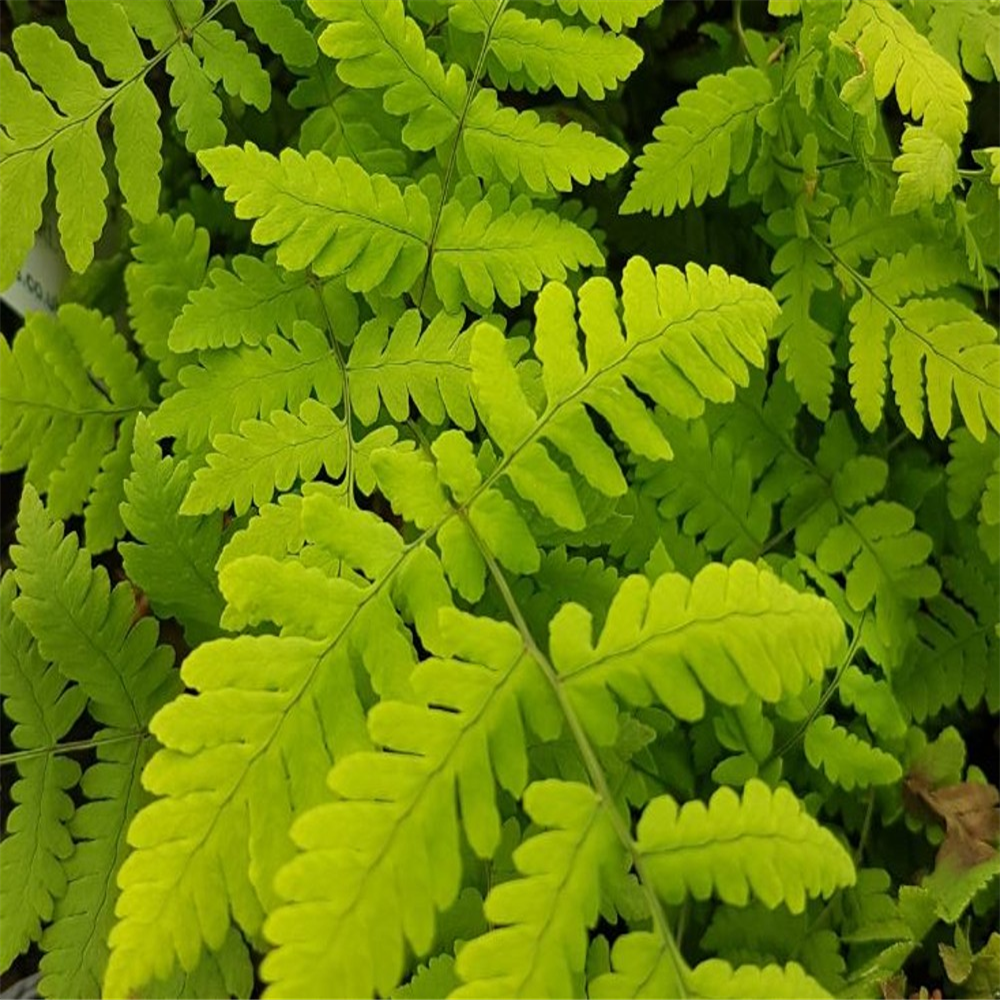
{"x":511,"y":600}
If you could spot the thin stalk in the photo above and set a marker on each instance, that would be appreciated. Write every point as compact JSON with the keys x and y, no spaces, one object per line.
{"x":73,"y":746}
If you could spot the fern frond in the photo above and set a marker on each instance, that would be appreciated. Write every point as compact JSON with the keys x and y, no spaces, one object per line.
{"x":884,"y":561}
{"x":701,"y":143}
{"x":502,"y":143}
{"x":352,"y":124}
{"x":643,"y":968}
{"x":431,"y":367}
{"x":968,"y":33}
{"x":524,"y":51}
{"x":172,"y":558}
{"x":87,"y":630}
{"x":278,"y":27}
{"x":268,"y":455}
{"x":272,"y":697}
{"x":243,"y":306}
{"x":33,"y":130}
{"x":415,"y":486}
{"x":901,"y":59}
{"x":227,"y":972}
{"x":228,"y":387}
{"x":494,"y":250}
{"x":710,"y":490}
{"x":805,"y":342}
{"x":687,"y":338}
{"x":378,"y":46}
{"x":956,"y":351}
{"x":715,"y":978}
{"x":616,"y":14}
{"x":957,"y":645}
{"x":330,"y":216}
{"x":874,"y":699}
{"x":962,"y":356}
{"x":733,"y":631}
{"x":927,"y":87}
{"x":124,"y":673}
{"x":69,"y":385}
{"x":847,"y":759}
{"x":365,"y":858}
{"x":36,"y":840}
{"x":197,"y":53}
{"x":169,"y":262}
{"x":702,"y":850}
{"x":540,"y":945}
{"x":927,"y":170}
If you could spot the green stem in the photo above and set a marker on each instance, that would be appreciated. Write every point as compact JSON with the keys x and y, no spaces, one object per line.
{"x":593,"y":765}
{"x":824,"y":698}
{"x":18,"y":756}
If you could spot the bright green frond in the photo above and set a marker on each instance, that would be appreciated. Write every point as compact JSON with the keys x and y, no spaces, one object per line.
{"x":900,"y":58}
{"x":616,"y":14}
{"x":919,"y":270}
{"x":765,"y":845}
{"x":228,"y":387}
{"x":969,"y":34}
{"x":874,"y":699}
{"x":942,"y":349}
{"x":282,"y":710}
{"x":524,"y":51}
{"x":87,"y":630}
{"x":927,"y":170}
{"x":33,"y":130}
{"x":243,"y":306}
{"x":733,"y":631}
{"x":415,"y":486}
{"x":69,"y":385}
{"x":493,"y":250}
{"x":279,"y":28}
{"x":805,"y":343}
{"x":686,"y":338}
{"x":377,"y":45}
{"x":376,"y":864}
{"x":85,"y":627}
{"x":332,"y":217}
{"x":715,"y":978}
{"x":206,"y":852}
{"x":539,"y":944}
{"x":847,"y":759}
{"x":199,"y":110}
{"x":503,"y":143}
{"x":60,"y":120}
{"x":701,"y":143}
{"x":36,"y":840}
{"x":884,"y":561}
{"x":226,"y":59}
{"x":268,"y":456}
{"x":643,"y":967}
{"x":169,"y":258}
{"x":173,"y":557}
{"x":431,"y":368}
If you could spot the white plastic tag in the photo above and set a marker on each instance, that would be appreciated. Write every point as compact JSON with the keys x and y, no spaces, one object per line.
{"x":41,"y":277}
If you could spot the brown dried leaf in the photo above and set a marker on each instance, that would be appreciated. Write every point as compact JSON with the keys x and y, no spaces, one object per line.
{"x":970,"y":813}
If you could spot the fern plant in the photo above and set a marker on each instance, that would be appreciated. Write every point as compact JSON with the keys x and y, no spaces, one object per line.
{"x":473,"y":540}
